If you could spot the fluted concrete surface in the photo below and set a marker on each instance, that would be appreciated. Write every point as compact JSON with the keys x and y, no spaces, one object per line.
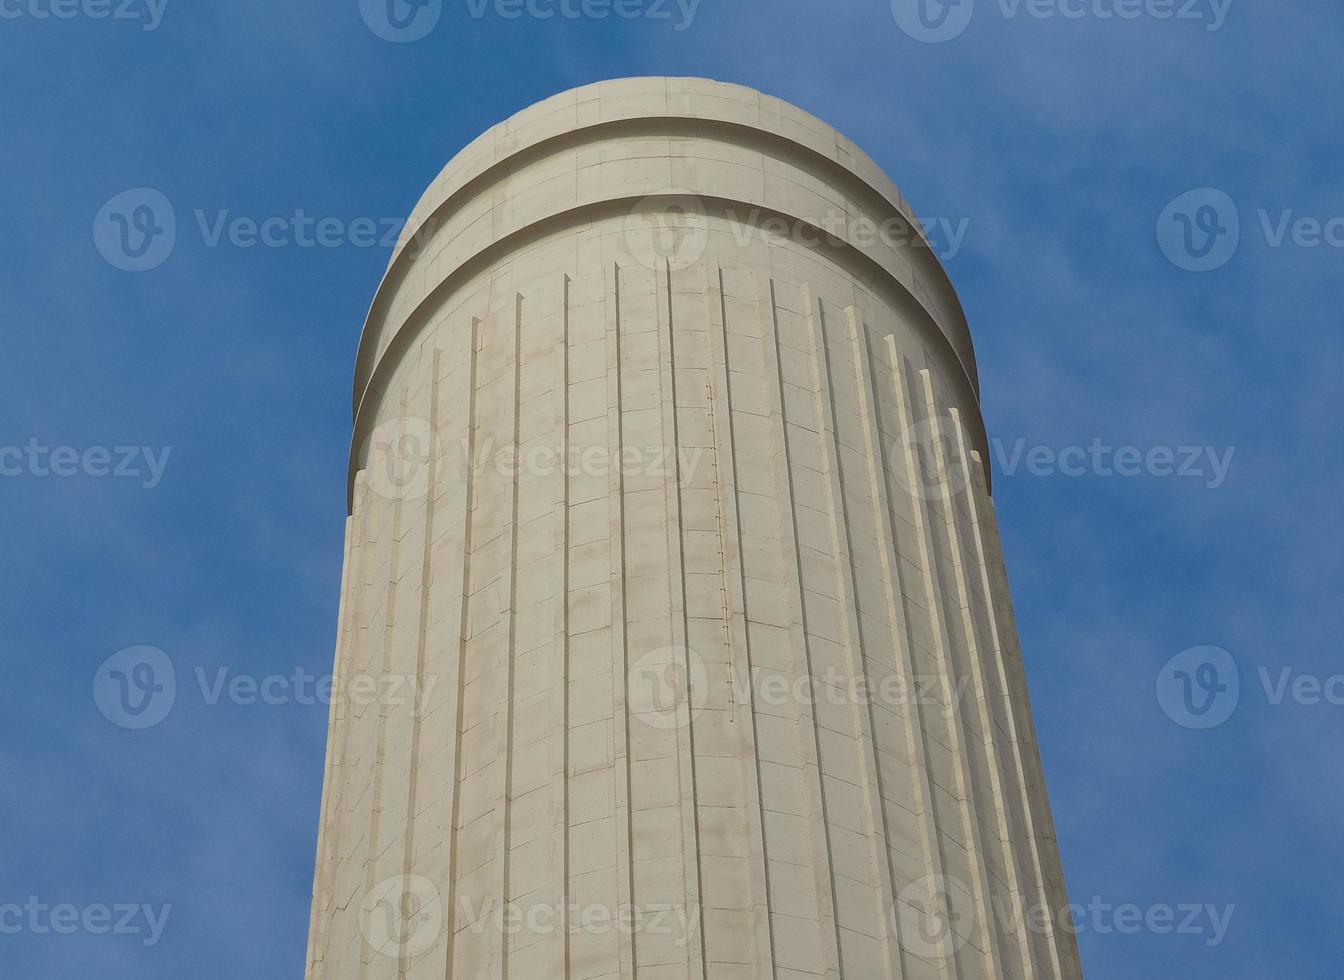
{"x":675,"y":639}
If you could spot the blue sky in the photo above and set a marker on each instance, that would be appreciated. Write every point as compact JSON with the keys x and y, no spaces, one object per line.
{"x":1059,"y":140}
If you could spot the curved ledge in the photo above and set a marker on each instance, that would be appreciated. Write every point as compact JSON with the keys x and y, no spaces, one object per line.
{"x":690,"y":108}
{"x":648,"y":98}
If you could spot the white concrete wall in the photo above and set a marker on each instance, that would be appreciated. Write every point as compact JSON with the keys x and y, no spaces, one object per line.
{"x":643,"y":502}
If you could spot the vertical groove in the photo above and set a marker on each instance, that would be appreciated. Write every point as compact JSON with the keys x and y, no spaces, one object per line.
{"x":852,"y":636}
{"x":823,"y":866}
{"x":418,"y":692}
{"x":620,"y":649}
{"x":983,"y":693}
{"x":1001,"y":636}
{"x":690,"y":824}
{"x":901,"y":638}
{"x":924,"y":531}
{"x":470,"y":503}
{"x":735,"y":586}
{"x":560,"y":678}
{"x":976,"y":840}
{"x":876,"y":455}
{"x":379,"y":766}
{"x":504,"y":729}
